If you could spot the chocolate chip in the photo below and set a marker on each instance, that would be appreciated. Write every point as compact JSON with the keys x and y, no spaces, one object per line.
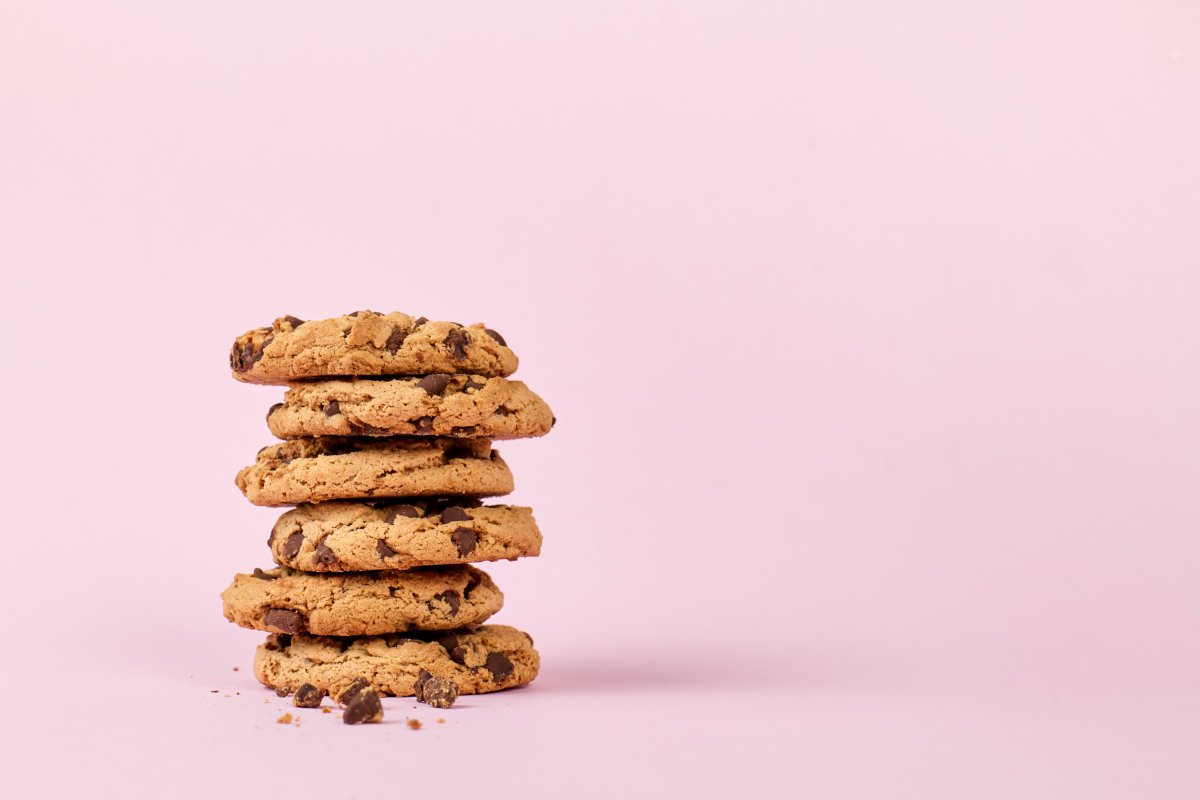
{"x":271,"y":411}
{"x":499,"y":665}
{"x":459,"y":655}
{"x":499,"y":339}
{"x":363,"y":707}
{"x":278,"y":641}
{"x":332,"y":408}
{"x":297,"y":322}
{"x":450,"y":598}
{"x":501,"y":411}
{"x":449,"y":641}
{"x":258,"y":573}
{"x":292,"y":546}
{"x":249,"y":355}
{"x":281,"y":691}
{"x":356,"y":686}
{"x":419,"y":686}
{"x":381,"y":547}
{"x":395,"y":340}
{"x":457,"y":341}
{"x":400,"y":511}
{"x":454,"y":514}
{"x":434,"y":384}
{"x":362,"y":429}
{"x":308,"y":696}
{"x":459,"y":451}
{"x":438,"y":692}
{"x":284,"y":619}
{"x":423,"y":423}
{"x":473,"y":384}
{"x":465,"y":540}
{"x":418,"y":322}
{"x":356,"y":313}
{"x":322,"y":554}
{"x":553,"y":421}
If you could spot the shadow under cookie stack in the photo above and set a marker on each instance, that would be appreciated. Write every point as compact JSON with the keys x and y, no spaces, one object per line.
{"x":388,"y":425}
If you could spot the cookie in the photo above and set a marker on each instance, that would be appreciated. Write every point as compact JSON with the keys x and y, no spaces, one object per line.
{"x":354,"y":604}
{"x":344,"y":536}
{"x":486,"y":658}
{"x":435,"y":405}
{"x":367,"y":343}
{"x":313,"y":470}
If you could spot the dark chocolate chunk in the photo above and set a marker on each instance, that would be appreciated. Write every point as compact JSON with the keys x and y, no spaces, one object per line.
{"x":363,"y":707}
{"x":395,"y":340}
{"x":278,"y":641}
{"x":465,"y":540}
{"x":418,"y":322}
{"x":281,"y":691}
{"x":473,"y":384}
{"x":454,"y":514}
{"x":258,"y":573}
{"x":297,"y":322}
{"x":308,"y":696}
{"x":438,"y":692}
{"x":292,"y":546}
{"x":423,"y":423}
{"x":459,"y":655}
{"x":448,"y":641}
{"x":381,"y":547}
{"x":499,"y":339}
{"x":450,"y":598}
{"x":499,"y":665}
{"x":501,"y":411}
{"x":271,"y":411}
{"x":332,"y":408}
{"x":457,"y":341}
{"x":400,"y":511}
{"x":284,"y":619}
{"x":322,"y":554}
{"x":434,"y":384}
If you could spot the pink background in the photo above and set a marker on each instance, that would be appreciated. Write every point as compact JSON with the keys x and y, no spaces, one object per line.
{"x":871,"y":329}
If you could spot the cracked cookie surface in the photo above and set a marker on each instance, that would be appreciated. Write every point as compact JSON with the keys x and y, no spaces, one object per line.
{"x":434,"y":405}
{"x":314,"y":470}
{"x":345,"y":536}
{"x":353,"y":604}
{"x":367,"y":343}
{"x":486,"y":658}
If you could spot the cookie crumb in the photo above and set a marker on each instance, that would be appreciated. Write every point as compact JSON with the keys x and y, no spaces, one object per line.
{"x":441,"y":720}
{"x":266,"y":699}
{"x":326,"y":710}
{"x":285,"y":719}
{"x":415,"y":724}
{"x":363,"y":706}
{"x":438,"y":692}
{"x":308,"y":696}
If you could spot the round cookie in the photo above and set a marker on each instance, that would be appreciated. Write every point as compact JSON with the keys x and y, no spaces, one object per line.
{"x":367,"y":343}
{"x":486,"y":658}
{"x":313,"y":470}
{"x":354,"y":604}
{"x":342,"y":536}
{"x":435,"y":405}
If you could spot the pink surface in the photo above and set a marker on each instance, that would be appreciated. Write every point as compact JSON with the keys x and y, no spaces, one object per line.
{"x":871,"y":330}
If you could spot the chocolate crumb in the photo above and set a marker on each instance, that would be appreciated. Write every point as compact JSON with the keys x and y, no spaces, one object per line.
{"x":353,"y":689}
{"x":364,"y":706}
{"x":439,"y":692}
{"x":281,"y":691}
{"x":235,"y":669}
{"x":308,"y":696}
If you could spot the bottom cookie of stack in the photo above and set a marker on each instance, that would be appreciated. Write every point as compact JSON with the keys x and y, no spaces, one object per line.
{"x":484,"y":658}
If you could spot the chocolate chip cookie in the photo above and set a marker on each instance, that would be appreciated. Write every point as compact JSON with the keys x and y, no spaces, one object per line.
{"x":367,"y":343}
{"x":344,"y":536}
{"x":313,"y":470}
{"x":481,"y":659}
{"x":435,"y":405}
{"x":353,"y":604}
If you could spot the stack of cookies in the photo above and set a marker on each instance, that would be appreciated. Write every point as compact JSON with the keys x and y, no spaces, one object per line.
{"x":388,"y":424}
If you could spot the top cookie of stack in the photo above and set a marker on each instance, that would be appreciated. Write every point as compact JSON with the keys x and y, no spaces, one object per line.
{"x":364,"y":343}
